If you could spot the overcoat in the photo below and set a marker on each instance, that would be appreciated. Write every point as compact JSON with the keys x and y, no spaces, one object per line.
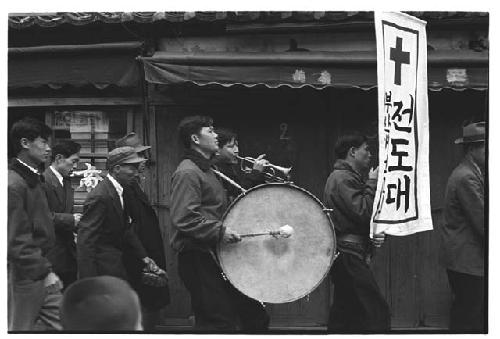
{"x":30,"y":227}
{"x":463,"y":230}
{"x":103,"y":233}
{"x":146,"y":227}
{"x":60,"y":200}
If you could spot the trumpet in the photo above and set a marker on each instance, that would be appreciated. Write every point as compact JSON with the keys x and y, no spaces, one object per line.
{"x":269,"y":169}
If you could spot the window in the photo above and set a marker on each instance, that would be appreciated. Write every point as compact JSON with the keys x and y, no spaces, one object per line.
{"x":96,"y":130}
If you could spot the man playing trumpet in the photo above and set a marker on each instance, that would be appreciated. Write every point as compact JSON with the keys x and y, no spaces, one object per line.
{"x":227,"y":161}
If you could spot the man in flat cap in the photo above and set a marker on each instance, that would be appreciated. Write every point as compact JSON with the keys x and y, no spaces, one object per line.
{"x":154,"y":294}
{"x":463,"y":232}
{"x":104,"y":228}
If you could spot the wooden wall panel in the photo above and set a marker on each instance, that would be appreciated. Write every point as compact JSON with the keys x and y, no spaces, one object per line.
{"x":168,"y":156}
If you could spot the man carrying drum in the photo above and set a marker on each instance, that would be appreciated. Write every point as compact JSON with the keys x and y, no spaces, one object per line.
{"x":198,"y":204}
{"x":358,"y":304}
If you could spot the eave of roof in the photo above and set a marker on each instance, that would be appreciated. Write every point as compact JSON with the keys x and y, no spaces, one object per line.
{"x":25,"y":20}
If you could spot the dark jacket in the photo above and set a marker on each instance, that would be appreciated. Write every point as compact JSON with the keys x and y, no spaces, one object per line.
{"x":351,"y":199}
{"x":103,"y":232}
{"x":463,"y":229}
{"x":146,"y":226}
{"x":60,"y":200}
{"x":198,"y":202}
{"x":245,"y":180}
{"x":30,"y":226}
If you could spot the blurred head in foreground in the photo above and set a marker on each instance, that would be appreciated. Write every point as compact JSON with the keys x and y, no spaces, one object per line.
{"x":102,"y":303}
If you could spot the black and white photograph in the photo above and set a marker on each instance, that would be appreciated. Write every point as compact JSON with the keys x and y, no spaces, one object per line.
{"x":257,"y":172}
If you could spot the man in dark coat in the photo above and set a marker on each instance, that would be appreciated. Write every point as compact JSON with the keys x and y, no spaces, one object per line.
{"x":198,"y":204}
{"x":104,"y":229}
{"x":146,"y":226}
{"x":34,"y":290}
{"x":463,"y":233}
{"x":358,"y":304}
{"x":60,"y":198}
{"x":226,"y":160}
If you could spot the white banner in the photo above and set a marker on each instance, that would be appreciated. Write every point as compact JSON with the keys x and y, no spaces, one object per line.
{"x":402,"y":202}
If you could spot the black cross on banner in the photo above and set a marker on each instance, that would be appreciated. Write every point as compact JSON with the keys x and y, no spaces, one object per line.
{"x":399,"y":57}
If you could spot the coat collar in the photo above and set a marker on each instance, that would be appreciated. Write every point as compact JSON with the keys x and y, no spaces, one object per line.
{"x":114,"y":195}
{"x":468,"y":161}
{"x":58,"y":175}
{"x":51,"y":178}
{"x":203,"y":163}
{"x":342,"y":164}
{"x":31,"y":178}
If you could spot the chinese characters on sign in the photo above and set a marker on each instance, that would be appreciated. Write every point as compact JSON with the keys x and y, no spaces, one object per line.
{"x":402,"y":205}
{"x":322,"y":78}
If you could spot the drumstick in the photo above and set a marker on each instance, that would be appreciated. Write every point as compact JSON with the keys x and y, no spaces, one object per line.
{"x":253,"y":234}
{"x":285,"y":231}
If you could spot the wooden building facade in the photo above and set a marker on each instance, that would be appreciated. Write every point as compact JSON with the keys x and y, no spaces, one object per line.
{"x":288,"y":82}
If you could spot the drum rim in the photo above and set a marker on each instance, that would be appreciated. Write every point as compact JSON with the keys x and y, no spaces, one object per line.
{"x":330,"y":223}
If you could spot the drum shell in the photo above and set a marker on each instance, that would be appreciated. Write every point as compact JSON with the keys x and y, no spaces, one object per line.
{"x":278,"y":270}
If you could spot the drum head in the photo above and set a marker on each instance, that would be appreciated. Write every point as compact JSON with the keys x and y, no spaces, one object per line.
{"x":284,"y":269}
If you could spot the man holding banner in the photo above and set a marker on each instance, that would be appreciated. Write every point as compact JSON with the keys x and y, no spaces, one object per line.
{"x":358,"y":305}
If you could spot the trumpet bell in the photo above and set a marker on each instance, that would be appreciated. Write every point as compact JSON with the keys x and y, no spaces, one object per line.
{"x":284,"y":170}
{"x":270,"y":169}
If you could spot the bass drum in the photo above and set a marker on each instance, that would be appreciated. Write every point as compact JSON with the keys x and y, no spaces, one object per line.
{"x":277,"y":270}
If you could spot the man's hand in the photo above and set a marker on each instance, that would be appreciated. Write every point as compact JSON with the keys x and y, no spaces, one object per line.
{"x":373,"y":173}
{"x":150,"y":265}
{"x":230,"y":236}
{"x":153,"y":275}
{"x":52,"y":283}
{"x":77,"y":217}
{"x":260,"y":162}
{"x":158,"y":279}
{"x":378,"y":239}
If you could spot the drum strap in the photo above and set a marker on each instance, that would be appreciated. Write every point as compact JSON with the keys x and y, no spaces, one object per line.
{"x":228,"y":179}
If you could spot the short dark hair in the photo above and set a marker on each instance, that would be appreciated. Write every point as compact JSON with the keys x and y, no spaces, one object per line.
{"x":345,"y":142}
{"x":101,"y":303}
{"x":28,"y":128}
{"x":65,"y":148}
{"x":192,"y":125}
{"x":225,"y":135}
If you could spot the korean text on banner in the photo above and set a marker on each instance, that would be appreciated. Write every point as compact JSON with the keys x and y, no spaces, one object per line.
{"x":402,"y":202}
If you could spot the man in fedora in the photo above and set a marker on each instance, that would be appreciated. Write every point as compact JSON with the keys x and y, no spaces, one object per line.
{"x":463,"y":232}
{"x":104,"y":229}
{"x":154,"y":295}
